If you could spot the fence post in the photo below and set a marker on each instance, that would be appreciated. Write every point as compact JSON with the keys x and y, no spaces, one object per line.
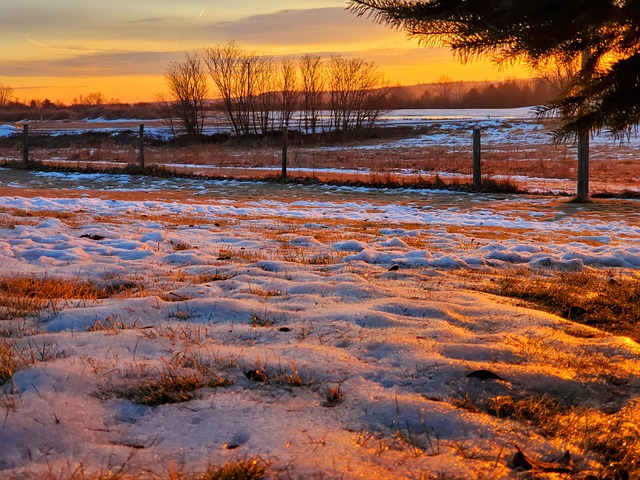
{"x":285,"y":147}
{"x":25,"y":145}
{"x":477,"y":160}
{"x":141,"y":145}
{"x":583,"y":168}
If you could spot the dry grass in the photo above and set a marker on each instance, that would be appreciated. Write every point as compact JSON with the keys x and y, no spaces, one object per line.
{"x":249,"y":468}
{"x":252,"y":468}
{"x":181,"y":246}
{"x":21,"y":213}
{"x":399,"y":165}
{"x":10,"y":360}
{"x":26,"y":295}
{"x":612,"y":438}
{"x":240,"y":254}
{"x":605,"y":300}
{"x":291,"y":377}
{"x":333,"y":396}
{"x":111,"y":324}
{"x":170,"y":386}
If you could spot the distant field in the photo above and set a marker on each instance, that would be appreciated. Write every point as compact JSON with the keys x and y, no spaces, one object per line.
{"x":412,"y":146}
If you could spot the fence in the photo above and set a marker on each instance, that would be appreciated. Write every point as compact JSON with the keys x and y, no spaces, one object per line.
{"x":470,"y":156}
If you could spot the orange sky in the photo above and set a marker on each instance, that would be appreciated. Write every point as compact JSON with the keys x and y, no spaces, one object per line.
{"x":64,"y":48}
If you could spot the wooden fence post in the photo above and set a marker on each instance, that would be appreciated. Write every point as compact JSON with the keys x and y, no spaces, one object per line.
{"x":582,"y":189}
{"x":25,"y":145}
{"x":285,"y":147}
{"x":141,"y":145}
{"x":583,"y":168}
{"x":477,"y":159}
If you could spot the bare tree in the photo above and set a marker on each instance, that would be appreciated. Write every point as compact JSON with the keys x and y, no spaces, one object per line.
{"x":357,"y":89}
{"x":443,"y":89}
{"x":288,"y":90}
{"x":313,"y":84}
{"x":167,"y":112}
{"x":557,"y":74}
{"x":187,"y":83}
{"x":94,"y":99}
{"x":264,"y":98}
{"x":250,"y":86}
{"x":6,"y":93}
{"x":230,"y":69}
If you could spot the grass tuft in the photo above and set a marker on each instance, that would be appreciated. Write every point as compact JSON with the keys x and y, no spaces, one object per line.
{"x":603,"y":300}
{"x":180,"y":246}
{"x":10,"y":361}
{"x":613,"y":438}
{"x":171,"y":387}
{"x":28,"y":295}
{"x":333,"y":396}
{"x":251,"y":468}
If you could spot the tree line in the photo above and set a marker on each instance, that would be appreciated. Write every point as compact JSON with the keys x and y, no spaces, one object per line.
{"x":447,"y":93}
{"x":92,"y":105}
{"x":260,"y":94}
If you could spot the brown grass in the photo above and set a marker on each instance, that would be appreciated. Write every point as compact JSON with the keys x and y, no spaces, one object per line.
{"x":10,"y":360}
{"x":169,"y":387}
{"x":28,"y":295}
{"x":251,"y":468}
{"x":612,"y":437}
{"x":604,"y":300}
{"x":400,"y":165}
{"x":24,"y":295}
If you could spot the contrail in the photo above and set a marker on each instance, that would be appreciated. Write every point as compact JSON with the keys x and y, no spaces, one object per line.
{"x":37,"y":43}
{"x":201,"y":13}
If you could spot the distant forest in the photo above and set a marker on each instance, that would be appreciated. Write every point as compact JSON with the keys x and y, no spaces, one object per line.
{"x":441,"y":95}
{"x":451,"y":94}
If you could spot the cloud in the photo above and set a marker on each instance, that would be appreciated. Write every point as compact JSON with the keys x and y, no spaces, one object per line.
{"x":317,"y":26}
{"x":93,"y":65}
{"x":322,"y":30}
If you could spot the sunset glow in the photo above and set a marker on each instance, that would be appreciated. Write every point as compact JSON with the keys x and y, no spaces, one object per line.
{"x":59,"y":50}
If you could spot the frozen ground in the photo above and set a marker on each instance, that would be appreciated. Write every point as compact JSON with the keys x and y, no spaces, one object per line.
{"x":516,"y":147}
{"x":350,"y":289}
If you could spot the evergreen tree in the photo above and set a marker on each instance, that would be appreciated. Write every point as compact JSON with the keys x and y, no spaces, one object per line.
{"x":605,"y":93}
{"x":602,"y":37}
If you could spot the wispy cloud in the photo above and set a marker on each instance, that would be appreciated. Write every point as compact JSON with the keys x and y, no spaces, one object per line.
{"x":328,"y":26}
{"x":98,"y":64}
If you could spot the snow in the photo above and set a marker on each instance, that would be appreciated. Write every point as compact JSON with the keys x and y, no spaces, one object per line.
{"x":508,"y":135}
{"x":357,"y":288}
{"x":7,"y":130}
{"x":315,"y":267}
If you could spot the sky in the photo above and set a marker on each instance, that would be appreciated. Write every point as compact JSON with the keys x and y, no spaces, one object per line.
{"x":60,"y":49}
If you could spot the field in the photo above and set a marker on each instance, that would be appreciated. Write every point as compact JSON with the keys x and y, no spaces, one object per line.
{"x":168,"y":328}
{"x":413,"y":147}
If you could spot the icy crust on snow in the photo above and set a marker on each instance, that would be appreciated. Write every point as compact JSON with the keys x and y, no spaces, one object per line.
{"x":584,"y":242}
{"x":399,"y":360}
{"x":399,"y":354}
{"x":242,"y":290}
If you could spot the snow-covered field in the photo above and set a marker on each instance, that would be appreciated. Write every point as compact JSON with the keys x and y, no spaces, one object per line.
{"x":335,"y":332}
{"x":340,"y":319}
{"x":516,"y":147}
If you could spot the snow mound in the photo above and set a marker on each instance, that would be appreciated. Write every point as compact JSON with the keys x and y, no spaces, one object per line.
{"x":7,"y":130}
